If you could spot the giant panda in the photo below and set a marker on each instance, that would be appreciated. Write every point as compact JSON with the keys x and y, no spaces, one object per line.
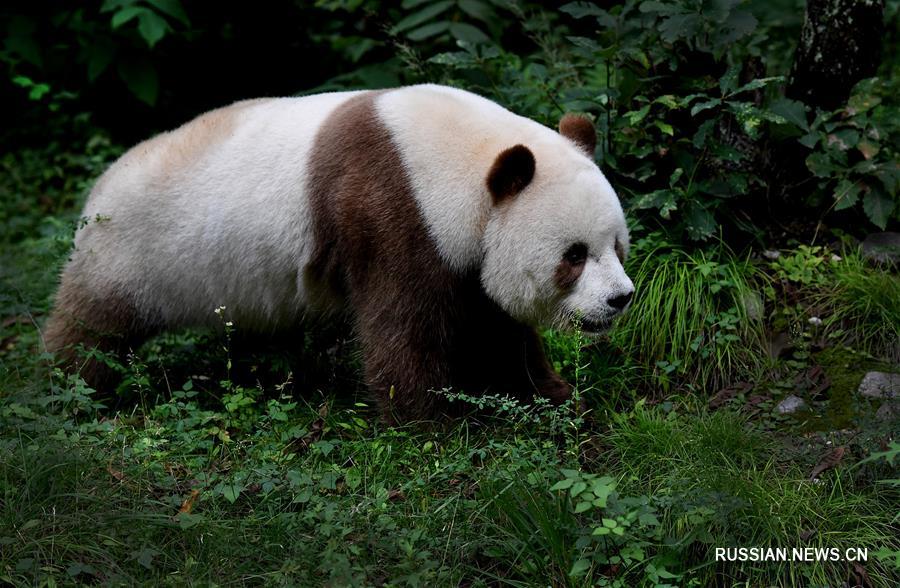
{"x":444,"y":226}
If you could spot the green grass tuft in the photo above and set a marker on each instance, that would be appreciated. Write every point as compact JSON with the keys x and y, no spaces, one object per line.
{"x":696,"y":318}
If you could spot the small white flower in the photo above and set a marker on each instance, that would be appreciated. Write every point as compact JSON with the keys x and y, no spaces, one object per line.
{"x":815,"y":321}
{"x":836,"y":258}
{"x":229,"y":324}
{"x":771,"y":254}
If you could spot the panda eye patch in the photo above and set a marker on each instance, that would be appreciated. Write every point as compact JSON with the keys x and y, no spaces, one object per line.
{"x":576,"y":254}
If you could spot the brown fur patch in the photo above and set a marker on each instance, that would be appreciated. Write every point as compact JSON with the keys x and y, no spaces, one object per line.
{"x":567,"y":273}
{"x":104,"y":321}
{"x":579,"y":129}
{"x":421,"y":326}
{"x":512,"y":170}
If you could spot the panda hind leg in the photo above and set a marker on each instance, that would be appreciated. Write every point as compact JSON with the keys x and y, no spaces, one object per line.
{"x":83,"y":321}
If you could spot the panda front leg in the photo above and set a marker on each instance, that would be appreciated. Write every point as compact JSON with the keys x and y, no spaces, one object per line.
{"x":547,"y":383}
{"x":519,"y":367}
{"x":405,"y":380}
{"x":405,"y":361}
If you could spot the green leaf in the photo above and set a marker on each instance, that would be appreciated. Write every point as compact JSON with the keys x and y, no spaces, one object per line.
{"x":583,"y":9}
{"x":843,"y":139}
{"x":667,"y":100}
{"x":810,"y":139}
{"x":187,"y":520}
{"x":664,"y":200}
{"x":38,"y":91}
{"x":20,"y":39}
{"x":231,"y":491}
{"x":602,"y":487}
{"x":141,"y":78}
{"x":699,"y":222}
{"x":863,"y":101}
{"x":889,"y":176}
{"x":820,"y":165}
{"x":580,"y":567}
{"x":429,"y":30}
{"x":563,"y":484}
{"x":664,"y":127}
{"x":878,"y":207}
{"x":729,"y":80}
{"x":422,"y":16}
{"x":584,"y":43}
{"x":100,"y":56}
{"x":126,"y":14}
{"x":145,"y":557}
{"x":480,"y":10}
{"x":324,"y":446}
{"x":152,"y":28}
{"x":679,"y":26}
{"x":846,"y":194}
{"x":636,"y":116}
{"x":171,"y":7}
{"x":110,"y":5}
{"x":583,"y":506}
{"x":869,"y":149}
{"x":699,"y":140}
{"x":740,"y":23}
{"x":652,"y":6}
{"x":793,"y":111}
{"x":578,"y":488}
{"x":757,"y":84}
{"x":468,"y":33}
{"x":701,"y":106}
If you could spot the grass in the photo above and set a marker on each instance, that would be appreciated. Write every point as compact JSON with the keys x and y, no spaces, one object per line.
{"x":202,"y":475}
{"x":719,"y":454}
{"x":865,"y":305}
{"x":697,"y":317}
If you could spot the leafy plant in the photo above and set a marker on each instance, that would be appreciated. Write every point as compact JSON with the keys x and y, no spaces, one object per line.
{"x":856,"y":152}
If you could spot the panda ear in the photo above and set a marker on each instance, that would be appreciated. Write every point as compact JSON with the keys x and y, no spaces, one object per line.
{"x":512,"y":171}
{"x":579,"y":129}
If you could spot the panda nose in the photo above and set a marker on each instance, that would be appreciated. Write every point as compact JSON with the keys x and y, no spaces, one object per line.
{"x":621,"y":301}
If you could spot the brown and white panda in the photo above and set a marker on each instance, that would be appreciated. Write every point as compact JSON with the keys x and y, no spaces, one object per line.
{"x":446,"y":226}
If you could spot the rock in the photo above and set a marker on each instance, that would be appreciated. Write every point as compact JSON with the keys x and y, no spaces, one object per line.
{"x":882,"y":247}
{"x":790,"y":405}
{"x":880,"y":385}
{"x":753,"y":304}
{"x":888,"y":412}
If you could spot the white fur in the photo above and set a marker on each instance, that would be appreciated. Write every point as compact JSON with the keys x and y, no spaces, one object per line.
{"x":183,"y":233}
{"x":526,"y":240}
{"x":231,"y":228}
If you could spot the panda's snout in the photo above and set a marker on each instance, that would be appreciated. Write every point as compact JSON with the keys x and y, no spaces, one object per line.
{"x":620,"y":301}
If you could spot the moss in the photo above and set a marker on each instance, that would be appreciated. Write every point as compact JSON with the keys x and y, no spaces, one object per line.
{"x":845,"y":368}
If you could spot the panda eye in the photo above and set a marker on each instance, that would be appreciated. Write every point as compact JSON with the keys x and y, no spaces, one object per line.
{"x":576,"y":254}
{"x":620,"y":251}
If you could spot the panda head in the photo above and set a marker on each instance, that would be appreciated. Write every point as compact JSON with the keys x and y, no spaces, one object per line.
{"x":556,"y":237}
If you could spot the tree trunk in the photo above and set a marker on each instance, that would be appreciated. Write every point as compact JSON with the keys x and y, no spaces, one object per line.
{"x":840,"y":44}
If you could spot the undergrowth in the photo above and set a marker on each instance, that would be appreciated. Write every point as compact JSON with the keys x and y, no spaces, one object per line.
{"x":697,"y":317}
